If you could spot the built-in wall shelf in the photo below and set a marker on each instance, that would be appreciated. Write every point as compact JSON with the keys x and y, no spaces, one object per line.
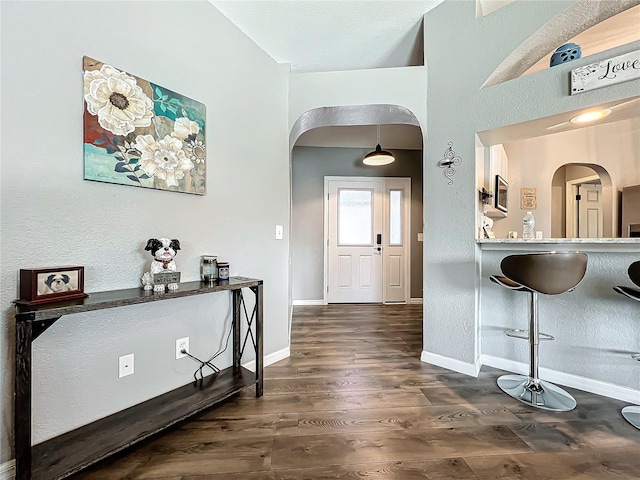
{"x":73,"y":451}
{"x":494,"y":213}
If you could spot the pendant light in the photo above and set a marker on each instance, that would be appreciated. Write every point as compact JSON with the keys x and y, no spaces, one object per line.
{"x":378,"y":157}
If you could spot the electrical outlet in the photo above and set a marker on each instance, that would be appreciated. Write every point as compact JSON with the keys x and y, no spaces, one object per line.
{"x":182,"y":344}
{"x":125,"y":365}
{"x":279,"y":232}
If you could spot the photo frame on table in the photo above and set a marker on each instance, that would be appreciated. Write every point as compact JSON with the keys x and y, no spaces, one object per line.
{"x":53,"y":284}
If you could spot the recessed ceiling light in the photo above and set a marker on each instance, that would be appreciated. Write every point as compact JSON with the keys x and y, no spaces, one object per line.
{"x":591,"y":116}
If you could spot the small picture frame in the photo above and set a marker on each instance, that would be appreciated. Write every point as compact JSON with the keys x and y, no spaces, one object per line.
{"x":54,"y":284}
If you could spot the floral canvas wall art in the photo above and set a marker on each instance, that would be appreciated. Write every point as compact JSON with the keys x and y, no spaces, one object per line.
{"x":141,"y":134}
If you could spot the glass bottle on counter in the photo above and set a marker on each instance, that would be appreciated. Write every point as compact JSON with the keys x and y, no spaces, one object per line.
{"x":528,"y":226}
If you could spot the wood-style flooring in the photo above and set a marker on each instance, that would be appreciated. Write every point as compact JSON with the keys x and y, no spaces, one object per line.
{"x":354,"y":402}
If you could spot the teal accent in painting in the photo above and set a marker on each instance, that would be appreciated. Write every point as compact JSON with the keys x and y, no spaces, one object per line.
{"x":98,"y":165}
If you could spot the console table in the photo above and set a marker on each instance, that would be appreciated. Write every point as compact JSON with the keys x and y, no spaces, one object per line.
{"x":70,"y":452}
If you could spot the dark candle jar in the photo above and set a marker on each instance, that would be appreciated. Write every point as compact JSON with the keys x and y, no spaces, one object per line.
{"x":223,"y":271}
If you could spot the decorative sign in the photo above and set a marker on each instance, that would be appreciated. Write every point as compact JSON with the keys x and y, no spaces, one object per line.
{"x":528,"y":198}
{"x":166,"y":277}
{"x":608,"y":72}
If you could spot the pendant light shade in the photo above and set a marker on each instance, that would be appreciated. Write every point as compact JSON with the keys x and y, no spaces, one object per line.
{"x":378,"y":157}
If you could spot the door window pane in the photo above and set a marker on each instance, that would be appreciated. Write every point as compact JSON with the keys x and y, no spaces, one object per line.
{"x":395,"y":217}
{"x":355,"y":217}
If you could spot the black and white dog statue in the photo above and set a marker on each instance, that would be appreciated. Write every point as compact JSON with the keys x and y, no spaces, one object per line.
{"x":163,"y":252}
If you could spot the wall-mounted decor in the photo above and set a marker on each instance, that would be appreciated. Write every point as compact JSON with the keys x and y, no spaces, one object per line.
{"x":565,"y":53}
{"x":607,"y":72}
{"x":141,"y":134}
{"x":528,"y":198}
{"x":46,"y":285}
{"x":450,"y":159}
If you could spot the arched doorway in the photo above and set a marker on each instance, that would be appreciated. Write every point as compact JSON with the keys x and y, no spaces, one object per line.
{"x":582,"y":202}
{"x":307,"y":266}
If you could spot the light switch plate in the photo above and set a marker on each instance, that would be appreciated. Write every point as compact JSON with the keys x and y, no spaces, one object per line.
{"x":125,"y":365}
{"x":279,"y":232}
{"x":421,"y":237}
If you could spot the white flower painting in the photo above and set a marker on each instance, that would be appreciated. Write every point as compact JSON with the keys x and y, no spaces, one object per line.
{"x":138,"y":133}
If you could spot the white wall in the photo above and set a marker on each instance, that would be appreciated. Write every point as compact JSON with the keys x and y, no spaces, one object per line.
{"x":51,"y":216}
{"x":390,"y":86}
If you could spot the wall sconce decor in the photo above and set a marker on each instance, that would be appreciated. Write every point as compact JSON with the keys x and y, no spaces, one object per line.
{"x":450,"y":159}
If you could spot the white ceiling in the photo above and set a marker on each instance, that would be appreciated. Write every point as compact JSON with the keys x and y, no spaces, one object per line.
{"x":335,"y":35}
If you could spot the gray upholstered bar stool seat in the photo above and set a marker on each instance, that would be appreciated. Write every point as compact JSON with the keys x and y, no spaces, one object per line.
{"x":632,"y":412}
{"x":551,"y":273}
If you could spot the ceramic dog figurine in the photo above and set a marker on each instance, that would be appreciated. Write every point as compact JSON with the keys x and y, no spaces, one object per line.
{"x":163,"y":252}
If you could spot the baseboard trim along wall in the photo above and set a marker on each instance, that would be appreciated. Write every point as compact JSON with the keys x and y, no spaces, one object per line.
{"x":8,"y":470}
{"x":415,"y":301}
{"x":567,"y":379}
{"x":308,"y":302}
{"x":451,"y":363}
{"x":269,"y":359}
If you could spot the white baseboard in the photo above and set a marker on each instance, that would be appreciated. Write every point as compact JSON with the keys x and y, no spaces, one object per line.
{"x":8,"y":470}
{"x":269,"y":359}
{"x":567,"y":379}
{"x":415,"y":301}
{"x":451,"y":363}
{"x":307,"y":302}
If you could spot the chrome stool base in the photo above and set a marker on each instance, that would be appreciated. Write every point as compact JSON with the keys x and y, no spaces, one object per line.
{"x":544,"y":395}
{"x":632,"y":415}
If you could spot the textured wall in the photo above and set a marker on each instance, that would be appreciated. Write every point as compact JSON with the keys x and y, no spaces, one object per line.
{"x":51,"y":216}
{"x":457,"y":108}
{"x":309,"y":167}
{"x":596,"y":329}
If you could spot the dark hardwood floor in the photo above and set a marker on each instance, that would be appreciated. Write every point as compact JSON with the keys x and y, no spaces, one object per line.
{"x":354,"y":402}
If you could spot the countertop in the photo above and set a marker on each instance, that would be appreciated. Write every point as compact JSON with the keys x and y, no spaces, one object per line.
{"x":562,"y":244}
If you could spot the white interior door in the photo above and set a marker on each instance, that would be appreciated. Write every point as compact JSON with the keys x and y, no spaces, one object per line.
{"x":590,"y":224}
{"x":367,"y":240}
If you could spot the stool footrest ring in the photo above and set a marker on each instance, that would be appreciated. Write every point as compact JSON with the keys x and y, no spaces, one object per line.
{"x":524,"y":334}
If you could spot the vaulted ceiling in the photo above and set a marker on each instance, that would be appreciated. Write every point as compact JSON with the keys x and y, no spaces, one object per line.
{"x":327,"y":35}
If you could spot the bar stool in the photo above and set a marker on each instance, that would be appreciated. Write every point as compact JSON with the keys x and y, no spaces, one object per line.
{"x":549,"y":273}
{"x":632,"y":412}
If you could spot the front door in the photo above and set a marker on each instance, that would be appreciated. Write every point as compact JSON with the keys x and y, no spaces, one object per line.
{"x":367,"y":233}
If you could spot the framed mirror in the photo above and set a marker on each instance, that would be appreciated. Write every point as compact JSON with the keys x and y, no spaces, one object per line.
{"x":500,"y":194}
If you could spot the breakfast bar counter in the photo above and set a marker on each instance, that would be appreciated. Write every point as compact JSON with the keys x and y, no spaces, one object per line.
{"x":596,"y":330}
{"x":562,"y":244}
